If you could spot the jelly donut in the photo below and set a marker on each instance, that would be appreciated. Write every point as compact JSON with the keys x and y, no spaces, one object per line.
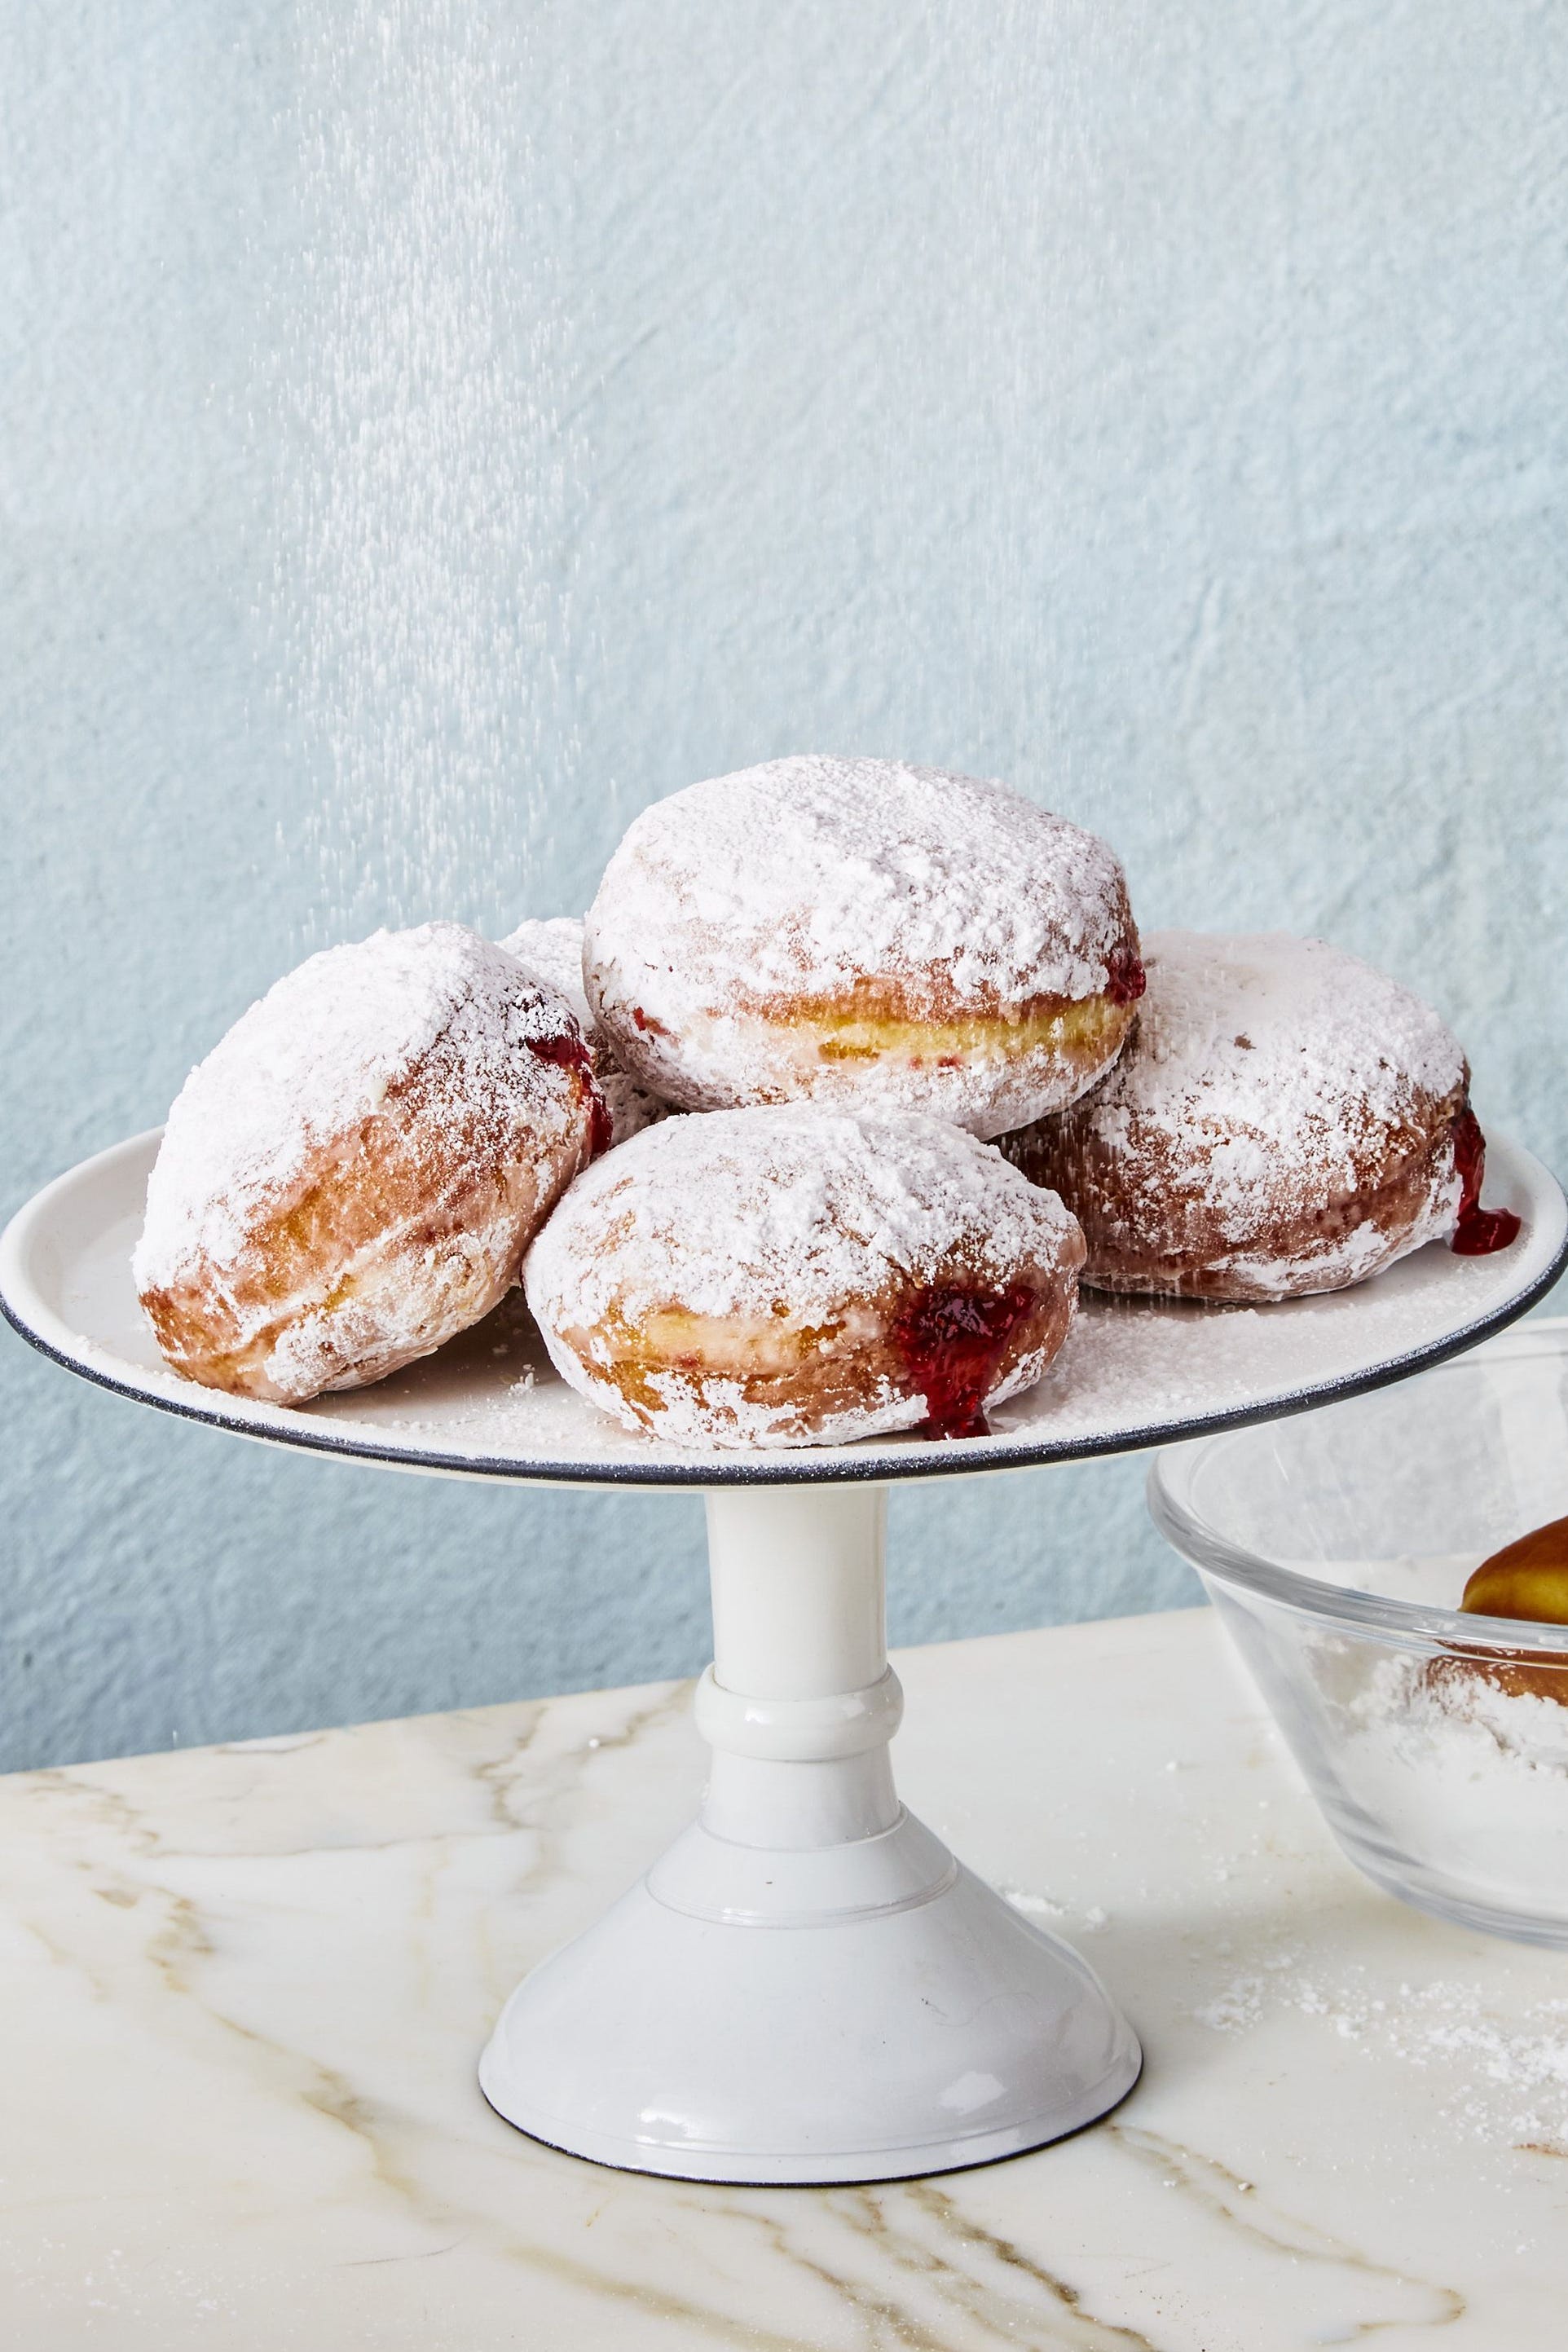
{"x":865,"y":934}
{"x":1284,"y":1119}
{"x":353,"y":1172}
{"x":551,"y":946}
{"x":799,"y":1277}
{"x":1527,"y":1579}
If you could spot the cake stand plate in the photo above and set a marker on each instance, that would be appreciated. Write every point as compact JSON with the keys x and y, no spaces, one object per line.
{"x":1133,"y":1372}
{"x":806,"y":1987}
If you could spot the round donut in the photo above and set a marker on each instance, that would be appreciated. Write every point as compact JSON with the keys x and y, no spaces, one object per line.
{"x":353,"y":1174}
{"x":1284,"y":1119}
{"x":1527,"y":1579}
{"x":550,"y":947}
{"x":797,"y":1277}
{"x":863,"y":935}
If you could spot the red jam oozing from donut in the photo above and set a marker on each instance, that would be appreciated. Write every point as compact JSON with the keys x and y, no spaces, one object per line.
{"x":1126,"y":979}
{"x":567,"y":1052}
{"x":1478,"y":1231}
{"x":952,"y":1340}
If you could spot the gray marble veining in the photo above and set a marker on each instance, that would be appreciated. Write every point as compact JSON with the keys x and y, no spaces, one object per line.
{"x":242,"y":1992}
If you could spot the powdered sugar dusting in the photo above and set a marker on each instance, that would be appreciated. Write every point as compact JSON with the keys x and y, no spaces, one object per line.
{"x":1457,"y":1788}
{"x":808,"y":878}
{"x":1284,"y":1052}
{"x":552,"y":947}
{"x":805,"y":873}
{"x":1511,"y":2069}
{"x":1467,"y":1778}
{"x":724,"y":1414}
{"x":320,"y":1053}
{"x":1268,"y":1079}
{"x":861,"y":935}
{"x":804,"y":1215}
{"x":728,"y":1211}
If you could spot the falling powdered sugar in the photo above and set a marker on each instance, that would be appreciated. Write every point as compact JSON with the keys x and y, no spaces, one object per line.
{"x":425,"y":623}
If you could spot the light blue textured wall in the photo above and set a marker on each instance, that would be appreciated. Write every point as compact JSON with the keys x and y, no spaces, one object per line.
{"x":426,"y":438}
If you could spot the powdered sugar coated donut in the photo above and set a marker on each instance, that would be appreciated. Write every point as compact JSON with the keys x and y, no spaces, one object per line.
{"x":552,"y":947}
{"x":1284,"y":1119}
{"x":352,"y":1174}
{"x":797,"y":1277}
{"x":864,"y":934}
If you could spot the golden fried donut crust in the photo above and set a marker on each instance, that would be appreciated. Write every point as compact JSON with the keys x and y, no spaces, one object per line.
{"x":791,"y":1276}
{"x":863,"y":935}
{"x":330,"y":1250}
{"x":1281,"y":1122}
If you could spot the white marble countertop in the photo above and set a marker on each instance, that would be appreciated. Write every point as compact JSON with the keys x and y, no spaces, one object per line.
{"x":242,"y":1992}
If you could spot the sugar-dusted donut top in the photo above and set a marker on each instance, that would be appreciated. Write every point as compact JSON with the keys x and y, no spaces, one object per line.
{"x":785,"y":1210}
{"x":1276,"y":1054}
{"x":319,"y":1053}
{"x":802,"y":876}
{"x":552,"y":946}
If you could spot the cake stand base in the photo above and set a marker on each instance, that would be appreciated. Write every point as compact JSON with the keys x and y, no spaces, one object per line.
{"x":806,"y":1987}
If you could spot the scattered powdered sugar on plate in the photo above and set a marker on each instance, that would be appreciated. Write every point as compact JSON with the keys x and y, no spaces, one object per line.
{"x":803,"y":874}
{"x":320,"y":1053}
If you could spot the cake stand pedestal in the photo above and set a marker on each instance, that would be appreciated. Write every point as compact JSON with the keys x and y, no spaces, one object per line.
{"x":806,"y":1987}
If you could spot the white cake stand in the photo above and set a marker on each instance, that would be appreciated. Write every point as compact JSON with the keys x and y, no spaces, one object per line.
{"x":806,"y":1987}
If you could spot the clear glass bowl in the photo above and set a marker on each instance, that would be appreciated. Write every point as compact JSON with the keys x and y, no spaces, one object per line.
{"x":1335,"y":1546}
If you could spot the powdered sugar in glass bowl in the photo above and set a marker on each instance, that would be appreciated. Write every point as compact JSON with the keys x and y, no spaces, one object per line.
{"x":1335,"y":1546}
